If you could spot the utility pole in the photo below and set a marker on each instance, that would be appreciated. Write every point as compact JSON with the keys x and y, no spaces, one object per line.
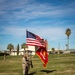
{"x":58,"y":48}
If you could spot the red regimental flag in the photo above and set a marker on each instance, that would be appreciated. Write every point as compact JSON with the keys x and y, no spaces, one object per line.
{"x":43,"y":55}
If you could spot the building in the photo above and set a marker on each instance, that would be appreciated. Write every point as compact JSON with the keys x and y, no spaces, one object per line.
{"x":66,"y":51}
{"x":69,"y":51}
{"x":30,"y":50}
{"x":72,"y":50}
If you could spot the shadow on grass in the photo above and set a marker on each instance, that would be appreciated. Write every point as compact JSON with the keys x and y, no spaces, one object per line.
{"x":32,"y":73}
{"x":47,"y":71}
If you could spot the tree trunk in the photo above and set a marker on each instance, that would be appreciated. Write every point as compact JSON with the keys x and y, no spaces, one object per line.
{"x":10,"y":51}
{"x":67,"y":42}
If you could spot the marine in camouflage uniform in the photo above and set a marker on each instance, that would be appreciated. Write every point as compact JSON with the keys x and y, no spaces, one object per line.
{"x":29,"y":63}
{"x":24,"y":64}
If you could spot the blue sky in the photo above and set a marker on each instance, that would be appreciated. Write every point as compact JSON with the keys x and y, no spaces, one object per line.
{"x":47,"y":18}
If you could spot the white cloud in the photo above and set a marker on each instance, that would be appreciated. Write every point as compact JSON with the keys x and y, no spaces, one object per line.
{"x":45,"y":32}
{"x":51,"y":27}
{"x":49,"y":32}
{"x":13,"y":30}
{"x":34,"y":10}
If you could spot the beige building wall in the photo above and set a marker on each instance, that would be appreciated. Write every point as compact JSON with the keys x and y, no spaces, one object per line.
{"x":21,"y":51}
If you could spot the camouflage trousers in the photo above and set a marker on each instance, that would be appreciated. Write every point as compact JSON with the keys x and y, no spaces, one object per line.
{"x":27,"y":69}
{"x":24,"y":69}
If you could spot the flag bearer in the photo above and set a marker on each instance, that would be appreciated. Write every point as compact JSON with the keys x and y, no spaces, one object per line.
{"x":29,"y":63}
{"x":24,"y":64}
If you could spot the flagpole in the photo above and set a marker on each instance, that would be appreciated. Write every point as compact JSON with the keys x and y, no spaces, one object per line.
{"x":26,"y":37}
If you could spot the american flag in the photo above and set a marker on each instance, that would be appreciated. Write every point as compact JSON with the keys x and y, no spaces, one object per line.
{"x":34,"y":40}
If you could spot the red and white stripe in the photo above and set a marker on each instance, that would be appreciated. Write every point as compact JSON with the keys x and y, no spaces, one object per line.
{"x":34,"y":42}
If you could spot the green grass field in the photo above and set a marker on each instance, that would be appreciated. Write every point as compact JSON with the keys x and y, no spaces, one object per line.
{"x":62,"y":64}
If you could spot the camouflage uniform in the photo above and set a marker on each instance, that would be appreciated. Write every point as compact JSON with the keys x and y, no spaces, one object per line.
{"x":24,"y":64}
{"x":29,"y":63}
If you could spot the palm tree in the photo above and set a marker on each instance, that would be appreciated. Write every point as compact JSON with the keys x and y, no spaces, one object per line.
{"x":10,"y":47}
{"x":53,"y":50}
{"x":68,"y":33}
{"x":24,"y":46}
